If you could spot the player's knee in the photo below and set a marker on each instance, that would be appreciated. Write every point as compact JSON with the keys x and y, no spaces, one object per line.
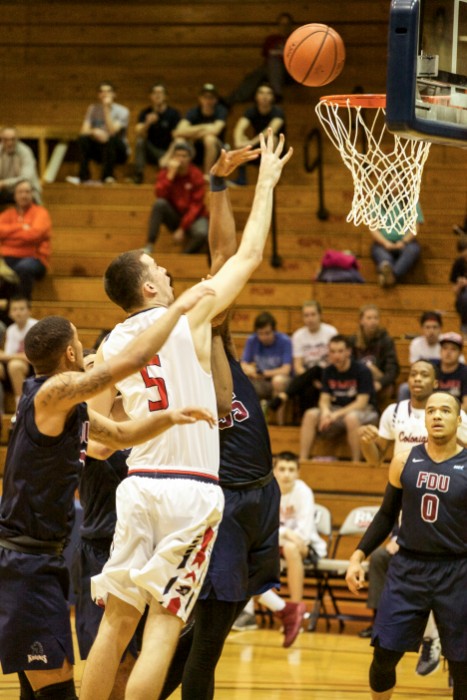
{"x":383,"y":669}
{"x":458,"y":671}
{"x":58,"y":691}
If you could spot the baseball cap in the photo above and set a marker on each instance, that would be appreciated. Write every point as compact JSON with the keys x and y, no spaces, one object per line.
{"x":455,"y":338}
{"x":184,"y":146}
{"x":209,"y":87}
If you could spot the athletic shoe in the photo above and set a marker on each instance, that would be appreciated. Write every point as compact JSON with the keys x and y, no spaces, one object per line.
{"x":366,"y":633}
{"x":386,"y":275}
{"x":430,"y":654}
{"x":110,"y":180}
{"x":244,"y":622}
{"x":275,"y":403}
{"x":148,"y":248}
{"x":73,"y":180}
{"x":292,"y":617}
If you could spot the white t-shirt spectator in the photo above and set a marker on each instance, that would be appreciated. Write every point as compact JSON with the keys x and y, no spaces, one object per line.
{"x":14,"y":339}
{"x":313,"y":347}
{"x":297,"y":513}
{"x":420,"y":350}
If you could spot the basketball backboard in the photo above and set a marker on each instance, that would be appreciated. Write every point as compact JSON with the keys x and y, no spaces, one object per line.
{"x":427,"y":70}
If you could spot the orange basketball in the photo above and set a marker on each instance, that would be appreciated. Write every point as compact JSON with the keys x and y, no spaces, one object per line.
{"x":314,"y":54}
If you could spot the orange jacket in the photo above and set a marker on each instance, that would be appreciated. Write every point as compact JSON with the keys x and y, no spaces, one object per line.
{"x":27,"y":235}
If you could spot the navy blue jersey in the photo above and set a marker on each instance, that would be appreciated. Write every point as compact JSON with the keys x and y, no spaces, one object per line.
{"x":454,"y":383}
{"x":345,"y":386}
{"x":245,"y":449}
{"x":42,"y":472}
{"x":434,"y":504}
{"x":97,"y":487}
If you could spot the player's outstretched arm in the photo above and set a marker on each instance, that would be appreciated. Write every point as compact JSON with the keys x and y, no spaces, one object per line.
{"x":222,"y":231}
{"x":232,"y":277}
{"x":63,"y":391}
{"x":118,"y":435}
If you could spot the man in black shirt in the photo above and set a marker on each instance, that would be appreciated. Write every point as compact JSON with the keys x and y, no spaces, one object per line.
{"x":450,"y":372}
{"x":346,"y":402}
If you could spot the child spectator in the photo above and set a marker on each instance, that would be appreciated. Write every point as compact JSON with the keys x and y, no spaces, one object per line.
{"x":299,"y":540}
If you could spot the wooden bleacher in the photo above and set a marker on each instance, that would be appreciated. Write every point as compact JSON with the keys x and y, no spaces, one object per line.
{"x":54,"y":54}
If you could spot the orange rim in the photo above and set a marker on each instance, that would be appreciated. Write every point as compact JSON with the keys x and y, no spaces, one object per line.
{"x":357,"y":100}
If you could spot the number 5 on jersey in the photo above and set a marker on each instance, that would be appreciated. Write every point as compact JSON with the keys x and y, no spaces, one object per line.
{"x":156,"y":383}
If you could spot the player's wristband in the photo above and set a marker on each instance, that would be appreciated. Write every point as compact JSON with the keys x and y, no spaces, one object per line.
{"x":218,"y":184}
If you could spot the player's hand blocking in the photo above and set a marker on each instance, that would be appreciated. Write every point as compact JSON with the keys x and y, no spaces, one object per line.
{"x":230,"y":160}
{"x":192,"y":414}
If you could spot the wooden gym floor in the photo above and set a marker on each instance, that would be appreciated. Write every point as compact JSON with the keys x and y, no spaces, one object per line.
{"x":319,"y":666}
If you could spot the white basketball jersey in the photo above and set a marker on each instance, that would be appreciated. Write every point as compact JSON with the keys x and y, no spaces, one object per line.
{"x":403,"y":424}
{"x":174,"y":378}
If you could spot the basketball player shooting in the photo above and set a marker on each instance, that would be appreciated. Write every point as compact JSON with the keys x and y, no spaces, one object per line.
{"x":429,"y":572}
{"x":170,"y":507}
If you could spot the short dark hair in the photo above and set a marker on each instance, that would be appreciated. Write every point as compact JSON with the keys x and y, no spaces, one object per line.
{"x":287,"y":456}
{"x":19,"y":297}
{"x":341,"y":338}
{"x":265,"y":319}
{"x":21,"y":182}
{"x":431,"y":316}
{"x":156,"y":85}
{"x":46,"y":342}
{"x":123,"y":280}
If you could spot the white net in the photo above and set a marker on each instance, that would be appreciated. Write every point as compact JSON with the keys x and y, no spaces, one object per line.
{"x":387,"y":178}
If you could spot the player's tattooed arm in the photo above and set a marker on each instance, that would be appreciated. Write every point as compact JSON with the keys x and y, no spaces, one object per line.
{"x":119,"y":435}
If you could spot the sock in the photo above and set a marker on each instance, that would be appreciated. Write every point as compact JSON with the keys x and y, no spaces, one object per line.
{"x":250,"y":607}
{"x":272,"y":601}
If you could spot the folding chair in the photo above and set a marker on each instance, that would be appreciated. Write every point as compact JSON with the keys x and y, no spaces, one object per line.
{"x":328,"y":569}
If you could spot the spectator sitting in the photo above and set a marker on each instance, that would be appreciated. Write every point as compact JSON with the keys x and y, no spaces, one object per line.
{"x":298,"y":539}
{"x":346,"y":402}
{"x":255,"y":121}
{"x":425,"y":346}
{"x":267,"y":358}
{"x":272,"y":70}
{"x":451,"y":372}
{"x":204,"y":125}
{"x":24,"y":241}
{"x":310,"y":346}
{"x":154,"y":131}
{"x":12,"y":357}
{"x":103,"y":136}
{"x":17,"y":163}
{"x":375,"y":348}
{"x":395,"y":255}
{"x":458,"y":277}
{"x":180,"y":190}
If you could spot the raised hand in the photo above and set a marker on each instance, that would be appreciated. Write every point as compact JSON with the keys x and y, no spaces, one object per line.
{"x":271,"y":161}
{"x":230,"y":160}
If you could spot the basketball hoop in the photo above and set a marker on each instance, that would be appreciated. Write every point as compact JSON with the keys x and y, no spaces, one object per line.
{"x":386,"y":171}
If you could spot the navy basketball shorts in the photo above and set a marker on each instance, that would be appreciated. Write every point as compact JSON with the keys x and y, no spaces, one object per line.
{"x":88,"y":561}
{"x":413,"y":588}
{"x":245,"y":559}
{"x":35,"y":630}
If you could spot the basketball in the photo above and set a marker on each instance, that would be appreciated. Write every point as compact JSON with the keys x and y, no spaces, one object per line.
{"x":314,"y":55}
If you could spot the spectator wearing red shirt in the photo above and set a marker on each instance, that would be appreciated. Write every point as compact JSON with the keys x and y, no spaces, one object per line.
{"x":24,"y":240}
{"x":180,"y":190}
